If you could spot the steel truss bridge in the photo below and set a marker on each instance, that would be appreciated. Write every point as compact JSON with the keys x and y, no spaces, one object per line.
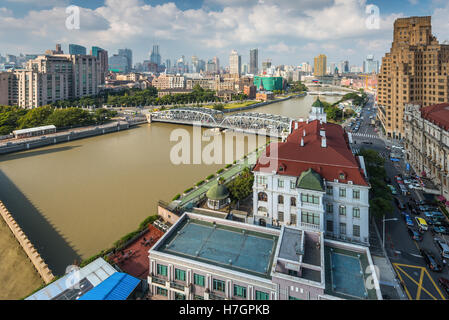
{"x":247,"y":122}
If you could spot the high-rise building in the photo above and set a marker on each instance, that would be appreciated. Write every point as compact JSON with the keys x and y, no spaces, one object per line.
{"x":118,"y":63}
{"x":320,"y":64}
{"x":102,"y":57}
{"x":8,"y":89}
{"x":415,"y":71}
{"x":254,"y":61}
{"x":370,"y":65}
{"x":211,"y":67}
{"x":57,"y":51}
{"x":155,"y":57}
{"x":77,"y":49}
{"x":168,"y":66}
{"x":128,"y":53}
{"x":235,"y":63}
{"x":217,"y":64}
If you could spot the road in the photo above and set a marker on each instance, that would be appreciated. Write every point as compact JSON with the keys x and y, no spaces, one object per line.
{"x":418,"y":281}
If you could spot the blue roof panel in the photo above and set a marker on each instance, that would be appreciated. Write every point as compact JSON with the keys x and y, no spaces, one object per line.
{"x":117,"y":287}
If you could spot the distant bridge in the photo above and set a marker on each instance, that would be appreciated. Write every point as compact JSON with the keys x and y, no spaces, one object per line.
{"x":247,"y":122}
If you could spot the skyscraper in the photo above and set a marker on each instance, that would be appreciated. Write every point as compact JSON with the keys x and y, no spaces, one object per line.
{"x":320,"y":65}
{"x":235,"y":63}
{"x":217,"y":64}
{"x":155,"y":57}
{"x":76,"y":49}
{"x":129,"y":56}
{"x":254,"y":61}
{"x":102,"y":57}
{"x":370,"y":65}
{"x":415,"y":71}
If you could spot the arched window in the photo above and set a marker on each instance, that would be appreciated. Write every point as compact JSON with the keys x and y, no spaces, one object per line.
{"x":281,"y":200}
{"x":293,"y":202}
{"x":262,"y":196}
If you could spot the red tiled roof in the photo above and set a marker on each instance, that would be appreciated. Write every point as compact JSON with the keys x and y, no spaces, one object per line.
{"x":437,"y":114}
{"x":335,"y":159}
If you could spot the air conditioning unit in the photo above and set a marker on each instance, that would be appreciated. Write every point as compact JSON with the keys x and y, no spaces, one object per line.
{"x":350,"y":182}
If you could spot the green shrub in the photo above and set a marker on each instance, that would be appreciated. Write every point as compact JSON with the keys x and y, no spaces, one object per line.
{"x":220,"y":171}
{"x":144,"y":224}
{"x":188,"y":190}
{"x":200,"y":183}
{"x":210,"y":176}
{"x":228,"y":166}
{"x":176,"y":197}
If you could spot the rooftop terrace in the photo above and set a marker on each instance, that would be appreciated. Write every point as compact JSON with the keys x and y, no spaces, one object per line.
{"x":224,"y":246}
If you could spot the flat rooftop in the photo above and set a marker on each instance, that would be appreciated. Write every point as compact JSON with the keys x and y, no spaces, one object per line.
{"x":347,"y":273}
{"x":224,"y":246}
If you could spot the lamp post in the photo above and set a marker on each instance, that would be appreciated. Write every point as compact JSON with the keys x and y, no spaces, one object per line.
{"x":383,"y":240}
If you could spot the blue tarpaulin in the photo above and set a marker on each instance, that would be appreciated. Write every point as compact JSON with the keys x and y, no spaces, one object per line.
{"x":117,"y":287}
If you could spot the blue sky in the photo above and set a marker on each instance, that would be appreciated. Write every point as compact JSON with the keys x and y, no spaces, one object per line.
{"x":286,"y":31}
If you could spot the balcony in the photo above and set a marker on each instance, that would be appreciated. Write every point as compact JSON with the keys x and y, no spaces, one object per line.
{"x":213,"y":296}
{"x":176,"y":286}
{"x":158,"y":280}
{"x":310,"y":226}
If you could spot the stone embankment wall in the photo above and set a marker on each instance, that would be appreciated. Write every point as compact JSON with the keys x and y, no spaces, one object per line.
{"x":27,"y":246}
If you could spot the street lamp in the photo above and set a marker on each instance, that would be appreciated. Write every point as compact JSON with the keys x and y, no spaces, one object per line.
{"x":383,"y":240}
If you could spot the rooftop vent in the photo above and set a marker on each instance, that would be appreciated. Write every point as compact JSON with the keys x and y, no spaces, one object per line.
{"x":304,"y":132}
{"x":323,"y":142}
{"x":302,"y":142}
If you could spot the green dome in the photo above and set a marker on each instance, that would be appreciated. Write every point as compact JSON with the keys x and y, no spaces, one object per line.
{"x":310,"y":180}
{"x":218,"y":192}
{"x":318,"y":103}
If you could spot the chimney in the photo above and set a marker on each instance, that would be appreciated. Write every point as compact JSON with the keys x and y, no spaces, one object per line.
{"x":322,"y":132}
{"x":304,"y":133}
{"x":302,"y":142}
{"x":323,"y":142}
{"x":296,"y":125}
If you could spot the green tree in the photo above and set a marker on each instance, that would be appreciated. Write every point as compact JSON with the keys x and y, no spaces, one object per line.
{"x":35,"y":117}
{"x":242,"y":186}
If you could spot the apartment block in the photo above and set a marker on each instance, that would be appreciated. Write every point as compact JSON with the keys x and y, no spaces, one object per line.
{"x":8,"y":89}
{"x":415,"y":71}
{"x":168,"y":81}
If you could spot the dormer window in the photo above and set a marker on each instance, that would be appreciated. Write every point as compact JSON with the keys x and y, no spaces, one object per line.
{"x":282,"y":168}
{"x":342,"y":176}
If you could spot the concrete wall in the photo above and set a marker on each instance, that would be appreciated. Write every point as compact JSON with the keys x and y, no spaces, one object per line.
{"x":27,"y":246}
{"x":167,"y":215}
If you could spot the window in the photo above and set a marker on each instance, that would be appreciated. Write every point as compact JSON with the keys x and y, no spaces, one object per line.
{"x":330,"y":190}
{"x":239,"y":291}
{"x":293,"y":202}
{"x":292,"y":185}
{"x":261,"y":180}
{"x":343,"y":228}
{"x":342,"y":210}
{"x":311,"y":218}
{"x":281,"y":199}
{"x":262,"y":196}
{"x":330,"y":226}
{"x":196,"y":297}
{"x":293,"y":298}
{"x":356,"y":194}
{"x":161,"y":270}
{"x":342,"y":192}
{"x":180,"y":275}
{"x":219,"y":285}
{"x":356,"y":231}
{"x":356,"y":213}
{"x":280,"y":183}
{"x":329,"y":208}
{"x":179,"y":296}
{"x":198,"y":280}
{"x":281,"y":216}
{"x":261,"y":295}
{"x":161,"y":292}
{"x":308,"y":198}
{"x":293,"y":219}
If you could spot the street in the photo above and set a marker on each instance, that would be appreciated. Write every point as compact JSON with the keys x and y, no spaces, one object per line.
{"x":418,"y":282}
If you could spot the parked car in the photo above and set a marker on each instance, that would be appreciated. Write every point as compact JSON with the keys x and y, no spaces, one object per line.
{"x":431,"y":261}
{"x":399,"y":204}
{"x":439,"y":230}
{"x":443,"y":247}
{"x":422,"y":223}
{"x":392,"y":189}
{"x":444,"y":283}
{"x":414,"y":234}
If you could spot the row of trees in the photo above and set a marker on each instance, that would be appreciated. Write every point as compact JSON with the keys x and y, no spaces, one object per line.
{"x":298,"y":86}
{"x":13,"y":118}
{"x":381,"y":198}
{"x":242,"y":186}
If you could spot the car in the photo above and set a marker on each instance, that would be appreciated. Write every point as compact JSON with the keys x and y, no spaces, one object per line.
{"x":444,"y":283}
{"x":443,"y":247}
{"x":392,"y":189}
{"x":431,"y":261}
{"x":439,"y":230}
{"x":422,"y":223}
{"x":399,"y":204}
{"x":399,"y":180}
{"x":409,"y":220}
{"x":414,"y":234}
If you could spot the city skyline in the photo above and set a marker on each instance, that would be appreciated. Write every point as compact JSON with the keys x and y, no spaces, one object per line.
{"x":213,"y":27}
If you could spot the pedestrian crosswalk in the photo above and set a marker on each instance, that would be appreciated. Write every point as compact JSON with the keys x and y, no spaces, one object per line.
{"x":365,"y":135}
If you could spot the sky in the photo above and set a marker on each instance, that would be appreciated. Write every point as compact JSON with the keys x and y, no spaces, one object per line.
{"x":285,"y":31}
